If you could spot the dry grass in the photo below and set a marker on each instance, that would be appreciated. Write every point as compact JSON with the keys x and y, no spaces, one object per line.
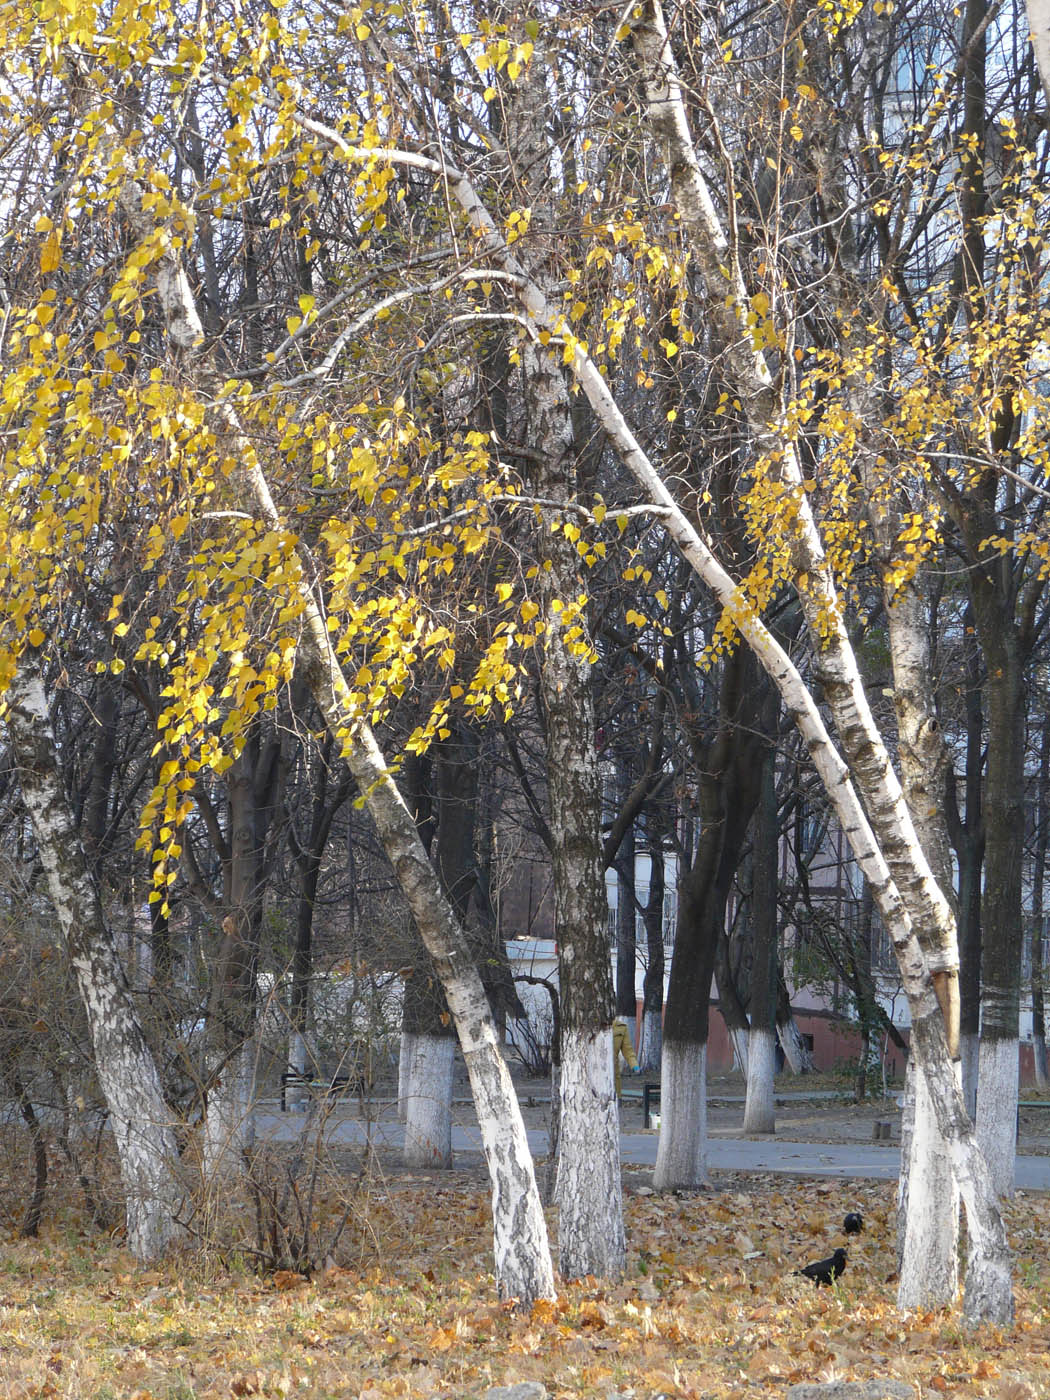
{"x":710,"y":1306}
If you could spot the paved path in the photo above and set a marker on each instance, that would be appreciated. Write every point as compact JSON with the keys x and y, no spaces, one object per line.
{"x":639,"y":1149}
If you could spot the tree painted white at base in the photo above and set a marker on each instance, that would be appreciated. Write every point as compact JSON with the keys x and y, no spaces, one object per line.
{"x":428,"y":1102}
{"x":759,"y":1107}
{"x":589,"y":1191}
{"x":929,"y":1274}
{"x":229,"y":1124}
{"x":404,"y":1060}
{"x":651,"y":1046}
{"x":681,"y":1154}
{"x":997,"y":1110}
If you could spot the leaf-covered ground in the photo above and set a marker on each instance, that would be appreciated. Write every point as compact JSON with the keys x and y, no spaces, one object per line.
{"x":710,"y":1306}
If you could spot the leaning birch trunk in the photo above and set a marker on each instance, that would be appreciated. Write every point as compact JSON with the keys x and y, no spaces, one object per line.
{"x":988,"y":1281}
{"x":899,"y":858}
{"x":524,"y":1270}
{"x":139,"y":1117}
{"x":523,"y":1266}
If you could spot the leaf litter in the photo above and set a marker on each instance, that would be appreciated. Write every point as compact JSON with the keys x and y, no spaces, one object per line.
{"x":709,"y":1309}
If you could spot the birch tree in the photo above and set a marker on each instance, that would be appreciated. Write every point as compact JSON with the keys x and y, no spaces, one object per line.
{"x":140,"y":1119}
{"x":249,"y":437}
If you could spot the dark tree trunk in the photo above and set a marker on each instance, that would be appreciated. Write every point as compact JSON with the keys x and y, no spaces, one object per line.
{"x":1002,"y":922}
{"x":729,"y":787}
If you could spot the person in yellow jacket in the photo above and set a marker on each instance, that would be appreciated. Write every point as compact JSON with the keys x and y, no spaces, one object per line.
{"x":622,"y":1046}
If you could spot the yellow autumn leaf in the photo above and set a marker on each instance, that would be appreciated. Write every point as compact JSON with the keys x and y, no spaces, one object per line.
{"x":51,"y":252}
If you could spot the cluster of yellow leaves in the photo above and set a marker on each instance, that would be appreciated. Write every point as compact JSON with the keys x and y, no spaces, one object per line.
{"x":120,"y":474}
{"x":920,"y":402}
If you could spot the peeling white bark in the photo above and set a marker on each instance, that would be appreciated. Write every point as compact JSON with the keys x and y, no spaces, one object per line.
{"x":929,"y":1275}
{"x":907,"y":895}
{"x":588,"y":1191}
{"x":796,"y":1055}
{"x":997,"y":1110}
{"x":139,"y":1118}
{"x":524,"y":1269}
{"x":428,"y":1102}
{"x":681,"y":1152}
{"x":760,"y":1106}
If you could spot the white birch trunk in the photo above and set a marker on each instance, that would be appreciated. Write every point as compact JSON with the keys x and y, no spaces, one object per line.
{"x":524,"y":1269}
{"x":760,"y":1106}
{"x":229,"y":1123}
{"x":929,"y":1276}
{"x":899,"y":857}
{"x":997,"y":1110}
{"x":908,"y":897}
{"x":896,"y":869}
{"x":588,"y":1191}
{"x":1039,"y":24}
{"x":139,"y":1118}
{"x":681,"y":1152}
{"x":796,"y":1055}
{"x":428,"y":1102}
{"x":650,"y":1049}
{"x":523,"y":1265}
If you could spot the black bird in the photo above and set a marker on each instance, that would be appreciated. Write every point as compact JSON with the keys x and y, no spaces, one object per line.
{"x":853,"y":1223}
{"x":824,"y":1270}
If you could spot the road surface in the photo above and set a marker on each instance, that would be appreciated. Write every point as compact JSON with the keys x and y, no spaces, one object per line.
{"x":639,"y":1150}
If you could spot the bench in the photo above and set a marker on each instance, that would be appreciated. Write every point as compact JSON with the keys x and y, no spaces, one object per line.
{"x":1027,"y":1104}
{"x":335,"y":1084}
